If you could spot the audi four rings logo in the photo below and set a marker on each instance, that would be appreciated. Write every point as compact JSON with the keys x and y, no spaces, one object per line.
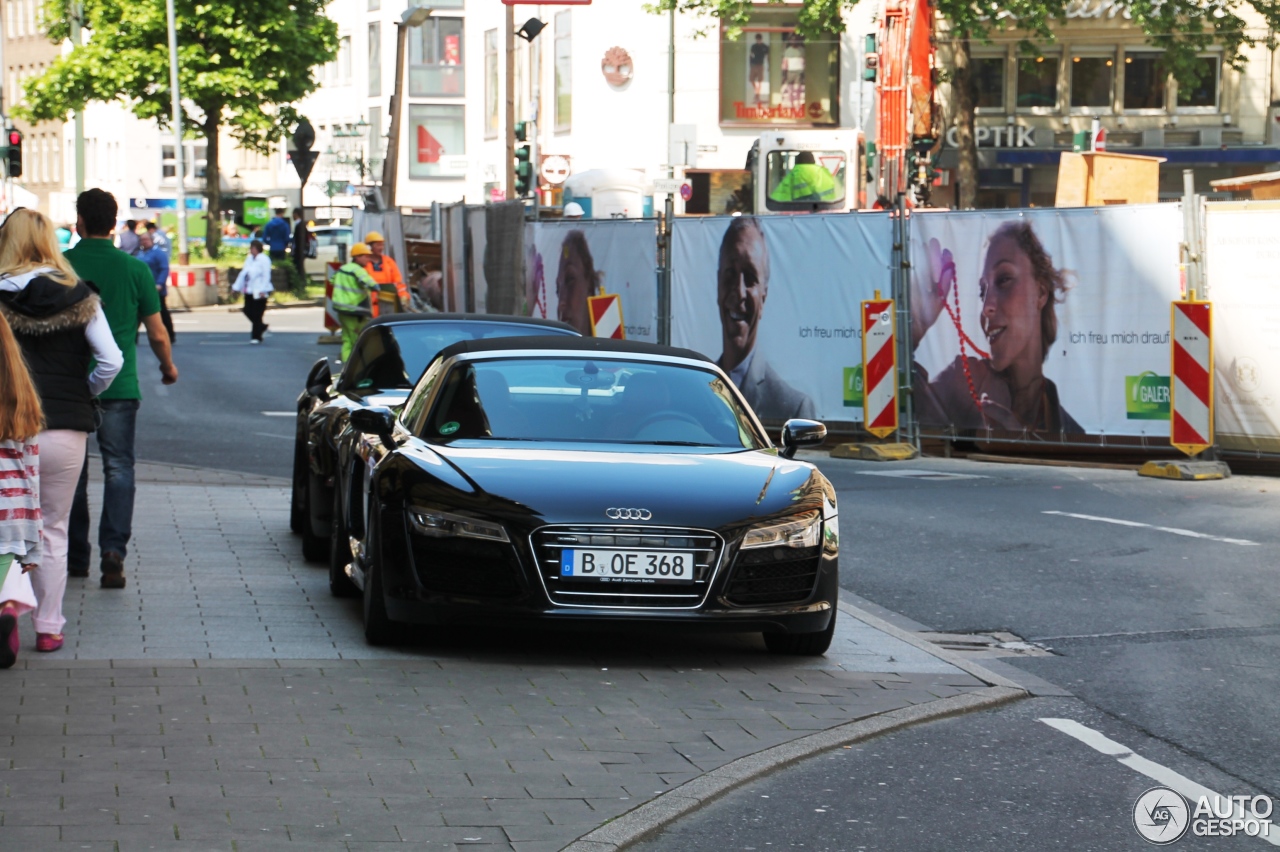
{"x":628,"y":514}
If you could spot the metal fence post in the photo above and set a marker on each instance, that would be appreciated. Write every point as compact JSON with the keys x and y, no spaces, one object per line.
{"x":901,"y":282}
{"x":664,"y":273}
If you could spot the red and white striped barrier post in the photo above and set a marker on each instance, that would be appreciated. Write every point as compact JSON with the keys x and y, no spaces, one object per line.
{"x":1191,"y":423}
{"x":606,"y":316}
{"x":879,"y":367}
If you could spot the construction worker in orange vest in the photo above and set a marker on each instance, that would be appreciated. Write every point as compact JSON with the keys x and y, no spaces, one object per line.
{"x":393,"y":294}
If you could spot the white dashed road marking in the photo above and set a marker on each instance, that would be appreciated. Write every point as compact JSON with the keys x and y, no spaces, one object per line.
{"x":1174,"y":530}
{"x":1160,"y":774}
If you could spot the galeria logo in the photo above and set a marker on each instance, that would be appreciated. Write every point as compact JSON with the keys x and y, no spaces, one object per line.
{"x":1161,"y":816}
{"x":1146,"y":397}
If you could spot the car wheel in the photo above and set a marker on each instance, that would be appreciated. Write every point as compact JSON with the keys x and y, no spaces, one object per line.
{"x":314,"y":548}
{"x":340,"y":585}
{"x":298,"y":520}
{"x":379,"y":629}
{"x":802,"y":644}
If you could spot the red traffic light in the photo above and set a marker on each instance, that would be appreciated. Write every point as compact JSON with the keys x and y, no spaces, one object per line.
{"x":15,"y":138}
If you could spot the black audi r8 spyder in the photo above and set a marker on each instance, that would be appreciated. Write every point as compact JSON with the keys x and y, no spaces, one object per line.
{"x":385,"y":362}
{"x":579,"y":481}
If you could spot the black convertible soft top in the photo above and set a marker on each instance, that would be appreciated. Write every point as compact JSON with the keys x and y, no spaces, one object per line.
{"x":391,"y":319}
{"x":569,"y":344}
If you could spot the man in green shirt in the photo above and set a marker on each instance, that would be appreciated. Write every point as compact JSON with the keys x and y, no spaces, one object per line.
{"x":129,"y":297}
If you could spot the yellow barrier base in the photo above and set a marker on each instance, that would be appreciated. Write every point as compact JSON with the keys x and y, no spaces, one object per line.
{"x":1186,"y":471}
{"x":874,"y":452}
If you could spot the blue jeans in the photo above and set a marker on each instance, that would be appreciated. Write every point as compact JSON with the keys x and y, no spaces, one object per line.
{"x":115,"y":442}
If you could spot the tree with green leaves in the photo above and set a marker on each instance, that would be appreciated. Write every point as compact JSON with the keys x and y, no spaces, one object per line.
{"x":242,"y":65}
{"x":1182,"y":28}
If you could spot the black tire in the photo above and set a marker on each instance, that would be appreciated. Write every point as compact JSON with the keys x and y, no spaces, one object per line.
{"x":802,"y":644}
{"x":340,"y":585}
{"x":314,"y":548}
{"x":379,"y":629}
{"x":298,"y":520}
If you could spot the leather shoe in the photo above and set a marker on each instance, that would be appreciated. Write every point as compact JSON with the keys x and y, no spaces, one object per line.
{"x":112,"y":571}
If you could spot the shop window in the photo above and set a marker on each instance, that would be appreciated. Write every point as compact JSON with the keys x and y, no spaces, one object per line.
{"x":1038,"y":82}
{"x":375,"y":59}
{"x":1144,"y":80}
{"x":1204,"y":93}
{"x":564,"y":71}
{"x":1091,"y":82}
{"x":492,"y":107}
{"x":168,"y":162}
{"x":435,"y":58}
{"x":771,"y":76}
{"x":987,"y":74}
{"x":436,"y":137}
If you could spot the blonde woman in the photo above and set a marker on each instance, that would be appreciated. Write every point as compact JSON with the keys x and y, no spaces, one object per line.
{"x":20,"y":525}
{"x":58,"y":322}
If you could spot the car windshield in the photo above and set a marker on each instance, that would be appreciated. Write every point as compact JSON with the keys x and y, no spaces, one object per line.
{"x":591,"y":401}
{"x":392,"y":356}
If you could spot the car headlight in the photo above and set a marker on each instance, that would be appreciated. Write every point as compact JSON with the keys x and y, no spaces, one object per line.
{"x":438,"y":524}
{"x":798,"y":531}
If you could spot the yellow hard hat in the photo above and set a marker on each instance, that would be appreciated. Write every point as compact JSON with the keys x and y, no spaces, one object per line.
{"x":359,"y":249}
{"x":374,"y":237}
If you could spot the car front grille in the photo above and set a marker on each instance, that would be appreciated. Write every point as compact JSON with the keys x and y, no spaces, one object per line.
{"x":455,"y":566}
{"x":773,"y":576}
{"x":548,"y":542}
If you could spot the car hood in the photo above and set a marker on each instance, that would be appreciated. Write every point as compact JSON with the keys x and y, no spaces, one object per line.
{"x":706,"y":490}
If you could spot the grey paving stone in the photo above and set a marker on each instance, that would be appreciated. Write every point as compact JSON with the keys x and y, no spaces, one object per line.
{"x":225,"y":692}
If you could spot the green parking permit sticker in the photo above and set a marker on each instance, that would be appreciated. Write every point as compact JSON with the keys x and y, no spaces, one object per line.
{"x":1146,"y":397}
{"x":449,"y":428}
{"x":853,"y":387}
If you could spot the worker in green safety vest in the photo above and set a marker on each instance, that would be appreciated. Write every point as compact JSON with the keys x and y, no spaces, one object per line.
{"x":807,"y":181}
{"x":352,"y":286}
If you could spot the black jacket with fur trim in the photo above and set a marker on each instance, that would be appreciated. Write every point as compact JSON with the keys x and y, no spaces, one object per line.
{"x":49,"y":319}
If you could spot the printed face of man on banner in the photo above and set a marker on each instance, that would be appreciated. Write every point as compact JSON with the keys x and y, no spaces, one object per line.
{"x":742,"y":287}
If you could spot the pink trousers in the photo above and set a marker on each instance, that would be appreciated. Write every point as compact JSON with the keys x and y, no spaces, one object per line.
{"x":61,"y":457}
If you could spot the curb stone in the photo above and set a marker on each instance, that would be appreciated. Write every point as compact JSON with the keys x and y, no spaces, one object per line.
{"x":656,"y":814}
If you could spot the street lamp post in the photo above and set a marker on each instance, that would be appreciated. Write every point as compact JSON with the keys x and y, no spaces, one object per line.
{"x":412,"y":17}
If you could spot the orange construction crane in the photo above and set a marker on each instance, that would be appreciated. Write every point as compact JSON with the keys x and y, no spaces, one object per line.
{"x":906,"y":112}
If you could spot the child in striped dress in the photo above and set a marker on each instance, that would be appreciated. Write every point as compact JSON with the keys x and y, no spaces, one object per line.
{"x":20,"y":519}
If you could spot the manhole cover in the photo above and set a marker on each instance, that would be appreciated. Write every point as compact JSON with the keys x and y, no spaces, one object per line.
{"x":993,"y":644}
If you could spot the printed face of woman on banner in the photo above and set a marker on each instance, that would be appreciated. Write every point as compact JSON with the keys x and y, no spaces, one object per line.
{"x":575,"y":281}
{"x":1004,"y":388}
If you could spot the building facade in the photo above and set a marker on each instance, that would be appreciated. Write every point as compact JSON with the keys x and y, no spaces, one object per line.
{"x":1030,"y":106}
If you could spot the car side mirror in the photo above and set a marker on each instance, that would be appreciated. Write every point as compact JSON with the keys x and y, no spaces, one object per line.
{"x":801,"y":433}
{"x":376,"y":420}
{"x":319,"y":379}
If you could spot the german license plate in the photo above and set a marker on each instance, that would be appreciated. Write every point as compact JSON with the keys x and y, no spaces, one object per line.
{"x":627,"y":566}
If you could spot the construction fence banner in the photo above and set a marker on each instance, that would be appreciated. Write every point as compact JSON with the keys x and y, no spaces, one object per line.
{"x":566,"y":263}
{"x":1044,"y":323}
{"x":1242,"y":252}
{"x":776,"y":300}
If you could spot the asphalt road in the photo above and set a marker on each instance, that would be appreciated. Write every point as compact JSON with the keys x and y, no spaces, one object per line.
{"x":226,"y":409}
{"x":1160,"y":607}
{"x":1000,"y":780}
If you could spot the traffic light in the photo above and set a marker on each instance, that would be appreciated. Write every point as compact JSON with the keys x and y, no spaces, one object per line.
{"x":13,"y":153}
{"x":522,"y":131}
{"x":871,"y":59}
{"x":524,"y":171}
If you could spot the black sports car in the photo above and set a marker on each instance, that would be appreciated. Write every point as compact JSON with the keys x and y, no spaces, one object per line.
{"x":384,"y":364}
{"x":586,"y":482}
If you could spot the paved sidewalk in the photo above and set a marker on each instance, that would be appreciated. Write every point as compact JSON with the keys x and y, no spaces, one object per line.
{"x":225,"y":701}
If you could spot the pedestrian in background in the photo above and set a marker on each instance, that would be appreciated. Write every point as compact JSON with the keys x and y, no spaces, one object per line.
{"x":59,"y":322}
{"x":277,"y":235}
{"x":129,"y":237}
{"x":157,"y":260}
{"x":20,"y":521}
{"x":354,"y":296}
{"x":159,"y":239}
{"x":128,"y":297}
{"x":393,"y":294}
{"x":301,"y":243}
{"x":255,"y":282}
